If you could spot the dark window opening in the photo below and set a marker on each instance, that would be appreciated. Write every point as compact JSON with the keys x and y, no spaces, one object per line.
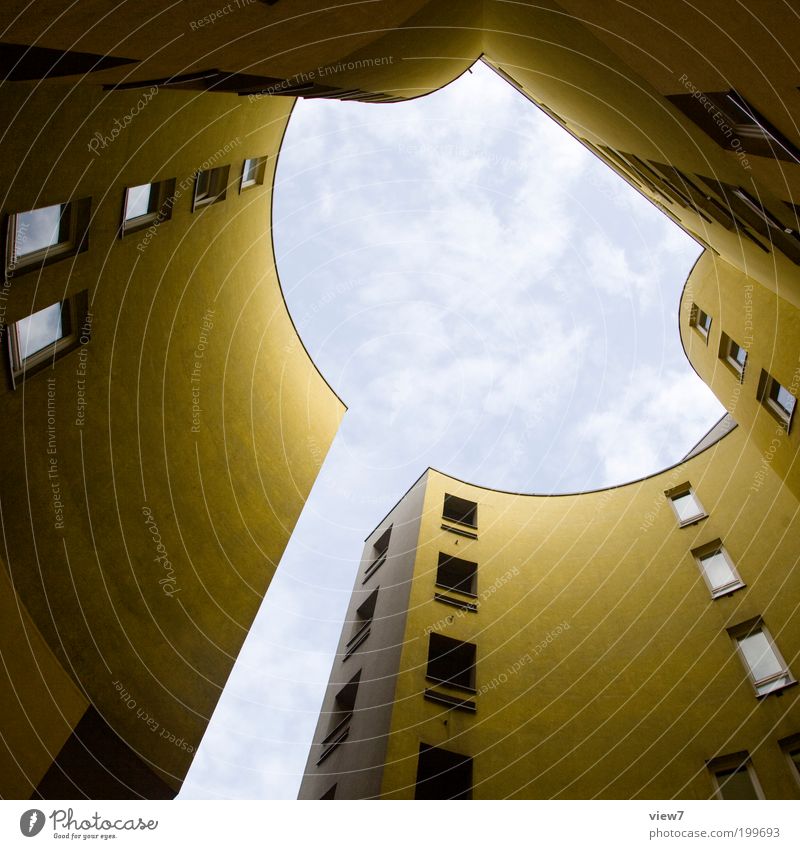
{"x":451,"y":662}
{"x":379,"y":551}
{"x":363,"y":623}
{"x":341,"y":717}
{"x":330,"y":793}
{"x":453,"y":573}
{"x":442,"y":774}
{"x":735,"y":125}
{"x":460,"y":510}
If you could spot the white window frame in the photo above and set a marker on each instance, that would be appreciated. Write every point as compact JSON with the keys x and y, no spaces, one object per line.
{"x":694,"y":321}
{"x":678,"y":492}
{"x":766,"y":385}
{"x":66,"y":245}
{"x":74,"y":309}
{"x":709,"y":549}
{"x":728,"y":763}
{"x":749,"y":629}
{"x":260,"y":168}
{"x":158,"y":208}
{"x":725,"y":348}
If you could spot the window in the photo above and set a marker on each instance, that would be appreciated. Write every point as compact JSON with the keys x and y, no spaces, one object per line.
{"x":442,"y":774}
{"x":458,"y":575}
{"x":733,"y":355}
{"x":686,"y":505}
{"x":210,"y":186}
{"x":341,"y":717}
{"x":361,"y":627}
{"x":777,"y":399}
{"x":379,"y":551}
{"x":791,"y":748}
{"x":147,"y":203}
{"x":36,"y":340}
{"x":701,"y":321}
{"x":451,"y":662}
{"x":734,"y":777}
{"x":41,"y":236}
{"x":735,"y":125}
{"x":460,"y":510}
{"x":717,"y":569}
{"x":330,"y":793}
{"x":253,"y":172}
{"x":762,"y":660}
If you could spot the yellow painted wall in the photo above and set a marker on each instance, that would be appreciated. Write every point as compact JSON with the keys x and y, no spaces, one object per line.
{"x":223,"y":499}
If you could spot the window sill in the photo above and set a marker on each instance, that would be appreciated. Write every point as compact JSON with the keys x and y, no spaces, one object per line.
{"x":778,"y":691}
{"x":459,"y":532}
{"x":456,"y":602}
{"x":729,"y":590}
{"x":456,"y":590}
{"x":451,"y":684}
{"x":686,"y":523}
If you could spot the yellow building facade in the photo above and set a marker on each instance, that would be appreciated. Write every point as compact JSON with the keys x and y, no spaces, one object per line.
{"x":159,"y":452}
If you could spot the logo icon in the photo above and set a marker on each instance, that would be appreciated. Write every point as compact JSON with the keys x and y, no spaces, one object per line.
{"x":31,"y":822}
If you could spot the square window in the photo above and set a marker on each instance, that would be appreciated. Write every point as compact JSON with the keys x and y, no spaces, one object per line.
{"x":451,"y":662}
{"x":777,"y":399}
{"x":764,"y":664}
{"x":717,"y":569}
{"x":456,"y":574}
{"x":442,"y":774}
{"x":253,"y":172}
{"x":460,"y":510}
{"x":701,"y":321}
{"x":734,"y":777}
{"x":39,"y":338}
{"x":686,"y":505}
{"x":210,"y":186}
{"x":41,"y":236}
{"x":147,"y":203}
{"x":733,"y":355}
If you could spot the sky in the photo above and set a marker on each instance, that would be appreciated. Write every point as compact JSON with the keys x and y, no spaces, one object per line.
{"x":489,"y":299}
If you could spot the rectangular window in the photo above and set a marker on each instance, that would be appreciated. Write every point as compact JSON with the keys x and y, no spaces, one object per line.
{"x":791,"y":748}
{"x":460,"y":511}
{"x":379,"y":551}
{"x":686,"y":505}
{"x":456,"y":574}
{"x":363,"y":623}
{"x":330,"y":793}
{"x":717,"y":569}
{"x":777,"y":399}
{"x":146,"y":204}
{"x":40,"y":236}
{"x":733,"y":355}
{"x":735,"y":125}
{"x":341,"y":717}
{"x":442,"y":774}
{"x":253,"y":172}
{"x":734,"y":777}
{"x":451,"y":662}
{"x":210,"y":186}
{"x":767,"y":669}
{"x":701,"y":321}
{"x":35,"y":341}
